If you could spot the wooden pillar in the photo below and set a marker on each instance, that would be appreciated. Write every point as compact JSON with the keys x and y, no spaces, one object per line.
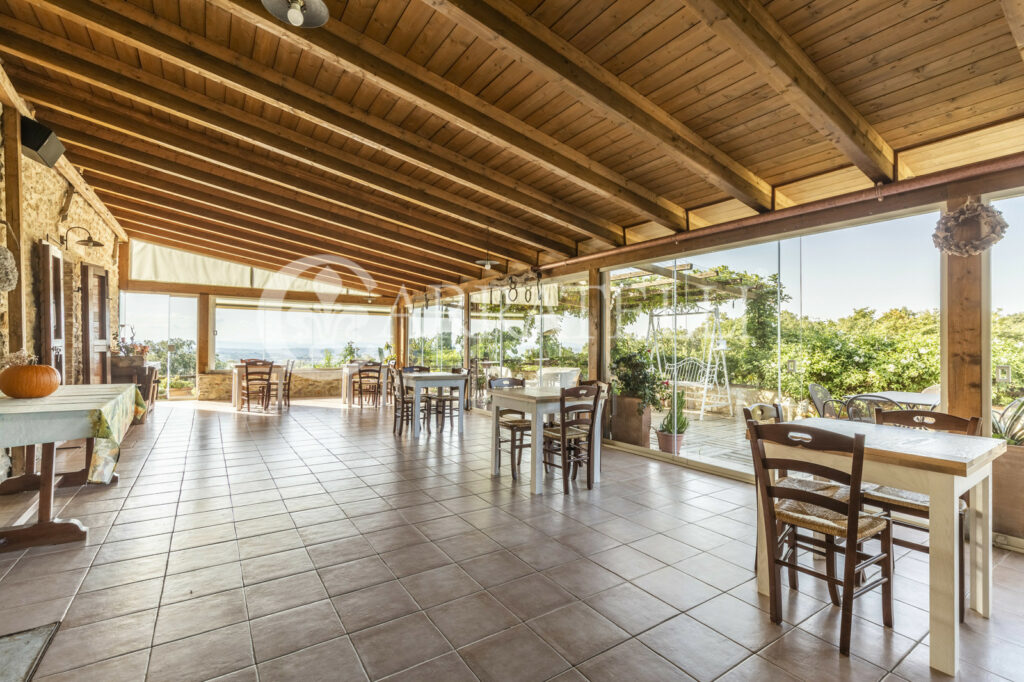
{"x":465,"y":329}
{"x":12,"y":211}
{"x":124,"y":264}
{"x":596,"y":302}
{"x":966,"y":330}
{"x":205,"y":340}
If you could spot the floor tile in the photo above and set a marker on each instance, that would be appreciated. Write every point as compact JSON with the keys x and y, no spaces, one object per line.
{"x":449,"y":668}
{"x":471,"y":618}
{"x":631,"y":608}
{"x":194,"y":616}
{"x":583,"y":577}
{"x":514,"y":655}
{"x":399,"y":644}
{"x":203,"y":656}
{"x":355,"y":575}
{"x":440,"y":585}
{"x":578,"y":632}
{"x":75,"y":647}
{"x":698,"y":650}
{"x":333,"y":660}
{"x":288,"y":631}
{"x":531,"y":596}
{"x":631,"y":661}
{"x":126,"y":668}
{"x":374,"y":605}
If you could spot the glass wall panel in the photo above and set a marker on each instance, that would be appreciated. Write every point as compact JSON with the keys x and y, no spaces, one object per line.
{"x":167,"y":325}
{"x":451,"y":334}
{"x":565,"y":351}
{"x":484,"y":342}
{"x":1008,"y":325}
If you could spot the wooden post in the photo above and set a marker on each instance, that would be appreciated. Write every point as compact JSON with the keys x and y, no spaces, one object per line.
{"x":465,"y":329}
{"x":124,"y":265}
{"x":596,"y":300}
{"x":13,"y":237}
{"x":204,"y":334}
{"x":967,"y":330}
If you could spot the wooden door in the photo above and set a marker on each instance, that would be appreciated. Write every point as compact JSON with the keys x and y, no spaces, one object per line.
{"x":52,"y":351}
{"x":95,"y":325}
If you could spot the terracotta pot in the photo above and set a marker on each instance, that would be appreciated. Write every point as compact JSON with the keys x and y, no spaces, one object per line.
{"x":29,"y":381}
{"x":1007,"y":482}
{"x":670,"y":442}
{"x":629,"y":425}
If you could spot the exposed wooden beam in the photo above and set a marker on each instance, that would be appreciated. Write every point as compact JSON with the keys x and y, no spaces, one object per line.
{"x":205,"y":322}
{"x":76,"y":62}
{"x":10,"y":98}
{"x":68,"y":109}
{"x":242,"y":239}
{"x":171,"y":42}
{"x":341,"y":45}
{"x":302,"y":245}
{"x":141,"y":286}
{"x":17,"y":337}
{"x":1014,"y":11}
{"x":749,"y":29}
{"x":503,"y":24}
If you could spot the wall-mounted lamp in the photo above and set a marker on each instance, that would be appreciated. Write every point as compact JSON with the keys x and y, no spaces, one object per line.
{"x":88,"y":241}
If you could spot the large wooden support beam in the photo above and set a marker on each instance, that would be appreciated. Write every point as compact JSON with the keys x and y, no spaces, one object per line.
{"x":9,"y":97}
{"x":204,"y":332}
{"x":504,"y":24}
{"x":597,"y":300}
{"x":13,"y":236}
{"x":195,"y":53}
{"x":966,"y":333}
{"x":140,"y":286}
{"x":1014,"y":11}
{"x":349,"y":49}
{"x":749,"y":29}
{"x":112,"y":75}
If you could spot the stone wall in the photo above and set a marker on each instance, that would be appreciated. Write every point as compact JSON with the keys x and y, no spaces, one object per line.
{"x":306,"y":383}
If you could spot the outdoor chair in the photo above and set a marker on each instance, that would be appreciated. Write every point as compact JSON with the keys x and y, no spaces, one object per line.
{"x":861,"y":408}
{"x":446,"y":401}
{"x":829,"y":505}
{"x":513,"y":421}
{"x":256,"y":386}
{"x":404,"y":402}
{"x":570,"y":443}
{"x":916,"y":504}
{"x":824,"y":404}
{"x":368,"y":384}
{"x":286,"y":385}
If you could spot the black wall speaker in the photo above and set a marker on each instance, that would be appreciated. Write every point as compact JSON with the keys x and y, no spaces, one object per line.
{"x":39,"y":143}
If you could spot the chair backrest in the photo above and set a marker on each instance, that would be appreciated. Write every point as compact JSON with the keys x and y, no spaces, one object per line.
{"x":861,"y":408}
{"x":397,"y":386}
{"x":934,"y":389}
{"x":763,"y":412}
{"x":258,"y":371}
{"x":575,"y":413}
{"x":819,"y":395}
{"x":415,"y":368}
{"x":369,"y":373}
{"x":289,"y":367}
{"x":930,"y":421}
{"x":459,"y":370}
{"x":505,"y":382}
{"x":603,"y":385}
{"x":819,"y":440}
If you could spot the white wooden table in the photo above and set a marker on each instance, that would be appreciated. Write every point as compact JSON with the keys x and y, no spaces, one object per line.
{"x":238,"y":378}
{"x":535,"y":402}
{"x":98,"y":413}
{"x":910,"y":398}
{"x":423,"y":381}
{"x":944,"y":466}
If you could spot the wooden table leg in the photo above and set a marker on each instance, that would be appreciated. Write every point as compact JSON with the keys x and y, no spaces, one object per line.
{"x":980,"y":515}
{"x":48,"y":530}
{"x":28,"y":480}
{"x":73,"y":479}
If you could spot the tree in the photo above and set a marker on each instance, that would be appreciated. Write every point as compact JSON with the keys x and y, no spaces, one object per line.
{"x":183,"y":357}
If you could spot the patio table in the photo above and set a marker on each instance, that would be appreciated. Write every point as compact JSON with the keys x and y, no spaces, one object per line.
{"x":535,"y":402}
{"x":98,"y":413}
{"x":422,"y":381}
{"x":943,"y":466}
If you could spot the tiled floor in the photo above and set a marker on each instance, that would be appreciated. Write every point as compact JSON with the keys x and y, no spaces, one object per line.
{"x":317,"y":546}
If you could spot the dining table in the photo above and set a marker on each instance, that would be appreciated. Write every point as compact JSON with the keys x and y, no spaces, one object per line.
{"x":909,"y":399}
{"x":238,"y":378}
{"x":100,"y":414}
{"x":421,"y":382}
{"x":943,"y":466}
{"x":536,"y":402}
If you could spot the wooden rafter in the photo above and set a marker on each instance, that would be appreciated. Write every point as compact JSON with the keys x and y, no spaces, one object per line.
{"x":9,"y":97}
{"x":1014,"y":11}
{"x":503,"y":24}
{"x":197,"y":54}
{"x":349,"y":49}
{"x":284,"y":295}
{"x":749,"y":29}
{"x":74,"y":61}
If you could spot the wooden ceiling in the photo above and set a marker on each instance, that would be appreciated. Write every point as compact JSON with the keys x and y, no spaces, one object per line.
{"x":414,"y":137}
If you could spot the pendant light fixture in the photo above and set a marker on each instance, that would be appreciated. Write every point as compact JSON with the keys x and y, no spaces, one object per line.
{"x":299,"y":13}
{"x":487,"y":263}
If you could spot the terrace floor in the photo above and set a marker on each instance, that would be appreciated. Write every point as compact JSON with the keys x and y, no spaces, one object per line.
{"x":718,"y":439}
{"x":316,"y":545}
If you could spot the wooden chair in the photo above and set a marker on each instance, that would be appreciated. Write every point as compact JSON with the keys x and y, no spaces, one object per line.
{"x":824,"y":404}
{"x":572,"y":440}
{"x":286,"y":385}
{"x":831,"y":507}
{"x":763,"y":413}
{"x":861,"y":408}
{"x":446,"y":401}
{"x":513,"y":421}
{"x":895,"y":500}
{"x":606,"y":391}
{"x":368,"y":384}
{"x":257,"y":383}
{"x":404,"y":405}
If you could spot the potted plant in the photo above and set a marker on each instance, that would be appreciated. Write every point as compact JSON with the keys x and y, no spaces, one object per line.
{"x":636,"y":391}
{"x":673,"y":426}
{"x":1008,"y":471}
{"x":130,"y":354}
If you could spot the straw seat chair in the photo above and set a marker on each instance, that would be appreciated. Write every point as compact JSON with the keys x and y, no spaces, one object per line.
{"x":570,"y":443}
{"x":514,"y":422}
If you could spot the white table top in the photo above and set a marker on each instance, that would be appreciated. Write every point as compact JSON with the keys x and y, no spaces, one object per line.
{"x":426,"y":376}
{"x":71,"y":412}
{"x":531,"y":394}
{"x":948,"y":453}
{"x":911,"y":398}
{"x":73,"y":398}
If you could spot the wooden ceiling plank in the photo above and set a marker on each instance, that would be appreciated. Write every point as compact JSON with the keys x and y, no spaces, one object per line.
{"x":1014,"y":12}
{"x":350,"y":50}
{"x":502,"y":23}
{"x":173,"y":44}
{"x":748,"y":28}
{"x":76,"y":62}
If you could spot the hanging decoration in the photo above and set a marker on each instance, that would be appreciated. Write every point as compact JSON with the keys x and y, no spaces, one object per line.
{"x":8,"y":264}
{"x":519,"y":285}
{"x":993,"y":228}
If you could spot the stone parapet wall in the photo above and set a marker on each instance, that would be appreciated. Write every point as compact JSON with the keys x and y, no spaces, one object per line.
{"x":306,"y":383}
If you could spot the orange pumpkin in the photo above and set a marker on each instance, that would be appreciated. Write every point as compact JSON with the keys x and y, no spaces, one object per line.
{"x":29,"y":381}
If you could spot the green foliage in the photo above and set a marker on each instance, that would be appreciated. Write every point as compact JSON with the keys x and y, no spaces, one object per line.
{"x":633,"y":375}
{"x":1009,"y":424}
{"x":183,"y":358}
{"x":676,"y":421}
